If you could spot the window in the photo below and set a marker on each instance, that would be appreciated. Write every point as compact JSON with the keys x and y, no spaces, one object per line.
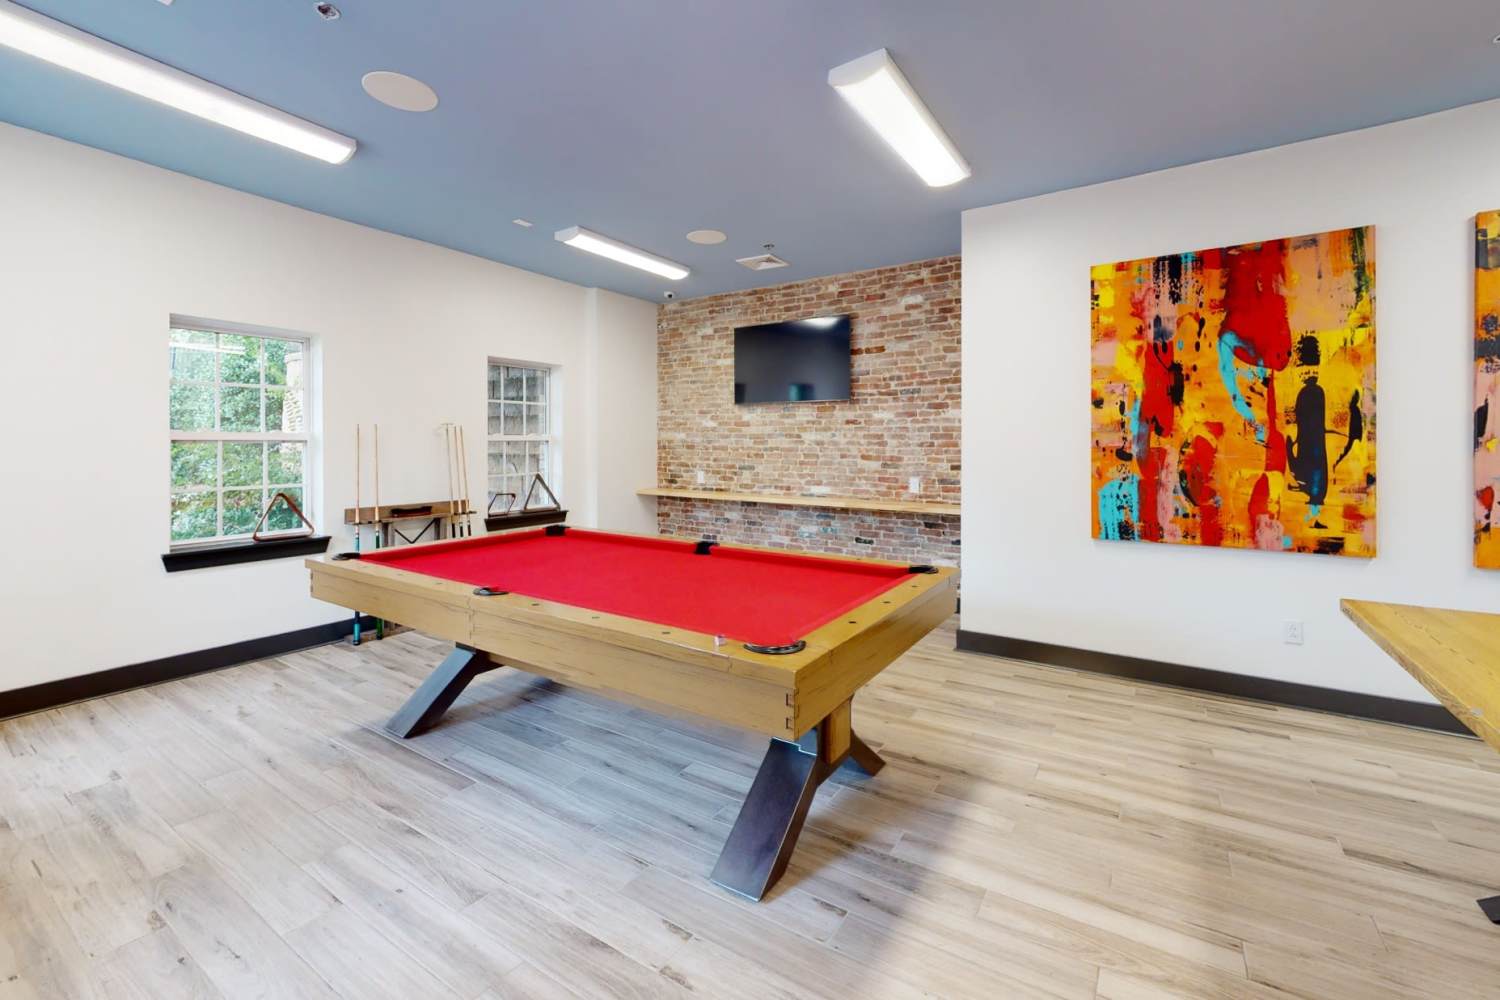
{"x":239,"y":432}
{"x":520,"y":440}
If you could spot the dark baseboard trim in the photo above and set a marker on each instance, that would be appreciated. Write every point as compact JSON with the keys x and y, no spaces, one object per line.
{"x":232,"y":553}
{"x":51,"y":694}
{"x":1321,"y":699}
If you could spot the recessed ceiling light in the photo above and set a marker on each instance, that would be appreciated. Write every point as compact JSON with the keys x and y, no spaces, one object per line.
{"x":623,"y":253}
{"x":706,"y":237}
{"x":66,"y":46}
{"x":402,"y":92}
{"x":876,"y":88}
{"x":522,"y":223}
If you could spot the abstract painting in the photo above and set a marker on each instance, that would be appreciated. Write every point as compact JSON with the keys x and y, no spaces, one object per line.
{"x":1234,"y":396}
{"x":1486,"y":387}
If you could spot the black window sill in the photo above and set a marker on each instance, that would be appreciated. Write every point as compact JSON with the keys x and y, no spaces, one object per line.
{"x":229,"y":553}
{"x":524,"y":519}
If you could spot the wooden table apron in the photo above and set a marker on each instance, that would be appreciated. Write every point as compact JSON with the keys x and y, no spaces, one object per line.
{"x":801,"y":700}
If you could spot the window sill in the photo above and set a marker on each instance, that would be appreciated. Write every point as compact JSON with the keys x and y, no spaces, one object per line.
{"x":525,"y":519}
{"x":229,"y":553}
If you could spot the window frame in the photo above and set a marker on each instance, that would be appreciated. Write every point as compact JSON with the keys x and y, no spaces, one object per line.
{"x":306,"y":437}
{"x":550,"y":466}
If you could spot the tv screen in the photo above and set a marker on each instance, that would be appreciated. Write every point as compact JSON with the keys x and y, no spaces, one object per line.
{"x":800,"y":361}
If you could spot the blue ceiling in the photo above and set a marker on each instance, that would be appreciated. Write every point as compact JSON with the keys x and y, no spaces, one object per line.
{"x":644,"y":119}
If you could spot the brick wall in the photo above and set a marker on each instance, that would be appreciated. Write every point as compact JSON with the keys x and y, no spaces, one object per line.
{"x":902,"y":419}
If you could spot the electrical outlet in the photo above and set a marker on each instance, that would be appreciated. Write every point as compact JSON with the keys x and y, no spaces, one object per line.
{"x":914,"y":484}
{"x":701,"y":478}
{"x":1291,"y":632}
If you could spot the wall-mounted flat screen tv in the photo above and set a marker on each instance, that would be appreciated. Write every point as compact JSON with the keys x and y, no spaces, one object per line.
{"x":799,"y":361}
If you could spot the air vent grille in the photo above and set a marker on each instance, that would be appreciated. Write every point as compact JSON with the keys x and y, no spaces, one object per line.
{"x":762,"y":262}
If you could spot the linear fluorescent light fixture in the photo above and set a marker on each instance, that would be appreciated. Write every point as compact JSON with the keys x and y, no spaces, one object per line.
{"x":624,"y":253}
{"x":876,"y":88}
{"x":62,"y":45}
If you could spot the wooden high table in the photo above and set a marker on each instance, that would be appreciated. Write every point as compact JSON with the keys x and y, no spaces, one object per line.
{"x":1454,"y":654}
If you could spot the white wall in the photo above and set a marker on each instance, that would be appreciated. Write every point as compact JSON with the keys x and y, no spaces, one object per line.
{"x":97,"y":251}
{"x":622,"y":340}
{"x":1030,"y":568}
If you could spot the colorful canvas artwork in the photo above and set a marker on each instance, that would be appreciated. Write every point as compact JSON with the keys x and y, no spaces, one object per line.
{"x":1486,"y":388}
{"x":1234,"y":396}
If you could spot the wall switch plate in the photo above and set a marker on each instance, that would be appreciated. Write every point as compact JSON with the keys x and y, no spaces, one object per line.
{"x":1291,"y":632}
{"x":914,"y":484}
{"x":701,"y":477}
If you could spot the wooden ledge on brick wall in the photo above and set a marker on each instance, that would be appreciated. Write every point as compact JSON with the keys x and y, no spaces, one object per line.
{"x":798,"y":500}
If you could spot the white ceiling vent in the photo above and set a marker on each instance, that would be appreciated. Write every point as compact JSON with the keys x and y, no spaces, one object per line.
{"x":767,"y":261}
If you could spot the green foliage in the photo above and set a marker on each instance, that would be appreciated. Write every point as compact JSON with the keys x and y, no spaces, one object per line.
{"x":241,"y":360}
{"x":193,"y":516}
{"x":194,"y":463}
{"x":239,"y":409}
{"x":282,"y":518}
{"x":275,"y":409}
{"x":189,"y":364}
{"x":242,"y":463}
{"x":192,"y":407}
{"x":284,"y":464}
{"x":241,"y":510}
{"x":276,"y":351}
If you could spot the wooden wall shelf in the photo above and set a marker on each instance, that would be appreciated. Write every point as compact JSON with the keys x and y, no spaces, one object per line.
{"x":798,"y":500}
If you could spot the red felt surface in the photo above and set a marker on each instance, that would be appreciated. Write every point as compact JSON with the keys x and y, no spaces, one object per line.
{"x":766,"y":598}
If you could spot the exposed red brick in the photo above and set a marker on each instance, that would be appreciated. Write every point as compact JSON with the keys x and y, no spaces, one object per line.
{"x":902,"y":419}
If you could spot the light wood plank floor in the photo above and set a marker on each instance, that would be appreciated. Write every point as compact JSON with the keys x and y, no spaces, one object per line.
{"x":1037,"y":833}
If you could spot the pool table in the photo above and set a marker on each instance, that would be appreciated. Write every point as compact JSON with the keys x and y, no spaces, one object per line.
{"x":771,"y":641}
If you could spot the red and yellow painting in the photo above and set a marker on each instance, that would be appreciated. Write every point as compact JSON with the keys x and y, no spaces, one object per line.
{"x":1234,"y":396}
{"x":1486,"y":388}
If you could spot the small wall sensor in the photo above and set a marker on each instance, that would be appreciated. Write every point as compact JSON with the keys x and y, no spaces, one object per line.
{"x":326,"y":11}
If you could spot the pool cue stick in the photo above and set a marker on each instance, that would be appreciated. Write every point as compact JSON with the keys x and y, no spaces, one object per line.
{"x":376,"y":516}
{"x":376,"y":434}
{"x":460,"y":503}
{"x":458,"y":479}
{"x":356,"y":517}
{"x":375,"y":428}
{"x":463,"y":453}
{"x":448,"y":475}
